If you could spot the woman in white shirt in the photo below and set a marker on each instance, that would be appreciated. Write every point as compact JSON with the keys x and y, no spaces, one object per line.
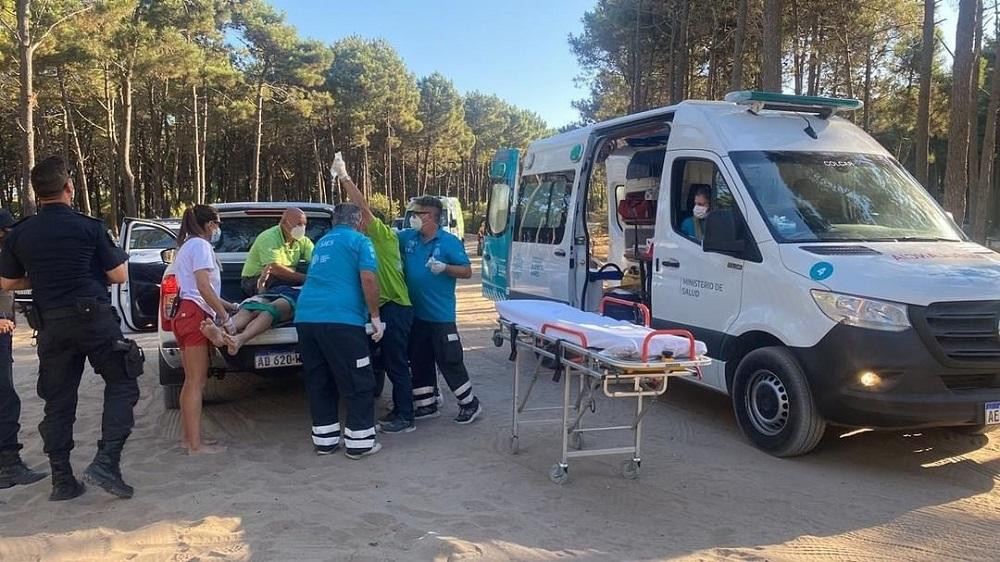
{"x":198,"y":277}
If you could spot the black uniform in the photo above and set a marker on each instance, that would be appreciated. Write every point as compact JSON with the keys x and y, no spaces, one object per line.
{"x":65,"y":255}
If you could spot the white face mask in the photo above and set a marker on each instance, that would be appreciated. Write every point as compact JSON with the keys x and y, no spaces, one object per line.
{"x":216,"y":235}
{"x":298,"y":232}
{"x":416,"y":223}
{"x":700,"y":211}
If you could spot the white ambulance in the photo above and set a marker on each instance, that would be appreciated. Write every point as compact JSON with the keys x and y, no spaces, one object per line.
{"x":829,"y":286}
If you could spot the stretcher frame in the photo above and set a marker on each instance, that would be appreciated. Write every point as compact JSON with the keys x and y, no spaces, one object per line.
{"x":616,"y":378}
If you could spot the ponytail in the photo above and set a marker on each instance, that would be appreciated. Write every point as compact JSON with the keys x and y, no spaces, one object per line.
{"x":195,"y":221}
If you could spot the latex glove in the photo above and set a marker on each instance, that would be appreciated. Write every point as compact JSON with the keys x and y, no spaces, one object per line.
{"x":436,"y":267}
{"x":339,"y":167}
{"x":378,"y":329}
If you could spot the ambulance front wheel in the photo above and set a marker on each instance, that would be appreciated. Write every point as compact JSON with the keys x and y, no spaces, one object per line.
{"x":774,"y":405}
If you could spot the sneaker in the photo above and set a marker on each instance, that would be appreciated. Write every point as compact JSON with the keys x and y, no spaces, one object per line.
{"x":357,"y":456}
{"x":323,"y":451}
{"x":388,"y":417}
{"x":426,"y":412}
{"x":468,"y":413}
{"x":397,"y":425}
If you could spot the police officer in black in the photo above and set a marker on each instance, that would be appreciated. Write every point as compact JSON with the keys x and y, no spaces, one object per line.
{"x":13,"y":471}
{"x":68,"y":260}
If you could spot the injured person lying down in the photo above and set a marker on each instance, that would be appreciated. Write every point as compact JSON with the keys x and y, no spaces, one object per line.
{"x":256,"y":315}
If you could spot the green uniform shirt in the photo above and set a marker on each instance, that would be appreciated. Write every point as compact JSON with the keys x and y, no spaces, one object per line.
{"x":270,"y":247}
{"x":391,"y":285}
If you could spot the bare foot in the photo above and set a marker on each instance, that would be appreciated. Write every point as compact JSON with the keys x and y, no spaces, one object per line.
{"x":206,"y":449}
{"x":233,"y":344}
{"x":204,"y":441}
{"x":213,"y":333}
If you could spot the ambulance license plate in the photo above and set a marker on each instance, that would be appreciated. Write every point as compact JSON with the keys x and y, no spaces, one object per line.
{"x":992,"y":413}
{"x":268,"y":360}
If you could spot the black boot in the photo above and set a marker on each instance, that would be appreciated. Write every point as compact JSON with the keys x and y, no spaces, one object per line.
{"x":14,"y":472}
{"x":106,"y":472}
{"x":65,"y":486}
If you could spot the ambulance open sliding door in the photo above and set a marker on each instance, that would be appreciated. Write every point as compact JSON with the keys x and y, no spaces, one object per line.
{"x":499,"y":224}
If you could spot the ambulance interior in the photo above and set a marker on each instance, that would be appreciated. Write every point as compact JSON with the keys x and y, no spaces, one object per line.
{"x":624,"y":192}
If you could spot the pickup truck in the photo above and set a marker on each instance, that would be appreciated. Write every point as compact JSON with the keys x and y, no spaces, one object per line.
{"x":151,"y":289}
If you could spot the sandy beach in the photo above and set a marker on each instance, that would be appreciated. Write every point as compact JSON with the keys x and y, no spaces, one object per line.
{"x":450,"y":492}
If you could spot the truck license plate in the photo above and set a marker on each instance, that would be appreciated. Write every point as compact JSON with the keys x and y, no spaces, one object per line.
{"x":992,"y":413}
{"x":275,"y":360}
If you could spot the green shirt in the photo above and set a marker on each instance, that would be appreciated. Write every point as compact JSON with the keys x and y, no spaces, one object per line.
{"x":391,"y":285}
{"x":270,"y":247}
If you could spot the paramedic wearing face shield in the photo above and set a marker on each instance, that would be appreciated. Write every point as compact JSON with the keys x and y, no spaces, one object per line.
{"x":339,"y":296}
{"x":276,"y":252}
{"x":432,"y":260}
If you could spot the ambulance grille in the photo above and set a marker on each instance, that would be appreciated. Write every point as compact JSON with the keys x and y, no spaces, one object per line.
{"x":966,"y":331}
{"x":971,"y":382}
{"x":841,"y":250}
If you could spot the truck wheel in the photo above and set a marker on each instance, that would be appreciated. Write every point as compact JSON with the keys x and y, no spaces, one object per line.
{"x":172,"y":397}
{"x":773,"y":403}
{"x":171,"y":392}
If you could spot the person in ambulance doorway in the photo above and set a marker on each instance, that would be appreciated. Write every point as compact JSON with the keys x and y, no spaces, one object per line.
{"x":274,"y":254}
{"x":432,"y":260}
{"x":694,"y":226}
{"x":68,"y":260}
{"x":13,"y":471}
{"x":341,"y":294}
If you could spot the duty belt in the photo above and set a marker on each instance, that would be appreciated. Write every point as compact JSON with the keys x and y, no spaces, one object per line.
{"x":64,"y":312}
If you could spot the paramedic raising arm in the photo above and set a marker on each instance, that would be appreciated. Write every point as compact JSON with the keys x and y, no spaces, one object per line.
{"x":369,"y":284}
{"x":207,"y":293}
{"x":354,"y":196}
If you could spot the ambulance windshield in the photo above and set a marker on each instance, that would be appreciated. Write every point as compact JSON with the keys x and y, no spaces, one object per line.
{"x":812,"y":196}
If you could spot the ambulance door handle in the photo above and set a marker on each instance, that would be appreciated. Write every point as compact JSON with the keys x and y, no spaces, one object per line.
{"x":671,"y":263}
{"x":561,"y":253}
{"x":487,"y":257}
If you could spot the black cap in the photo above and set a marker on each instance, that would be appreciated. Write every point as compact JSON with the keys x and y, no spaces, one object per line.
{"x":6,"y":219}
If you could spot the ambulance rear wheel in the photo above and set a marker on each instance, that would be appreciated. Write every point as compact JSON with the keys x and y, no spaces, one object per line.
{"x":773,"y":404}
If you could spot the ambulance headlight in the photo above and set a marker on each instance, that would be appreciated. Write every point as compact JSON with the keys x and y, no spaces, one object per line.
{"x":863,"y":313}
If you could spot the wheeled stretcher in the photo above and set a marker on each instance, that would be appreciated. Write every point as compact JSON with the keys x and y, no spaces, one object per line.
{"x":590,"y":353}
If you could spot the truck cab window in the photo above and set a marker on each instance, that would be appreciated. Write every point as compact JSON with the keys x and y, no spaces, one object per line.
{"x":697,"y":188}
{"x":542,"y":207}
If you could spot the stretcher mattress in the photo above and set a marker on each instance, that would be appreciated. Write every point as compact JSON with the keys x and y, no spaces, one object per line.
{"x":602,"y":332}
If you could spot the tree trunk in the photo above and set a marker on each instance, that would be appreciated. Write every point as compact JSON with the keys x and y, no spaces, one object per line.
{"x":204,"y":146}
{"x":113,"y":185}
{"x":255,"y":183}
{"x":957,"y":171}
{"x":974,"y":100}
{"x":924,"y":98}
{"x":26,"y":53}
{"x":199,"y":194}
{"x":866,"y":119}
{"x":982,"y":190}
{"x":80,"y":182}
{"x":771,"y":47}
{"x":128,"y":178}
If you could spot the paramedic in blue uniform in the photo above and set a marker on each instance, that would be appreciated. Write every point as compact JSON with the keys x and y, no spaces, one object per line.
{"x":339,"y":297}
{"x":432,"y":260}
{"x":13,"y":471}
{"x":68,"y":260}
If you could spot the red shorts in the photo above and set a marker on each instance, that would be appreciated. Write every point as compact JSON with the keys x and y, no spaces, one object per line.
{"x":187,"y":325}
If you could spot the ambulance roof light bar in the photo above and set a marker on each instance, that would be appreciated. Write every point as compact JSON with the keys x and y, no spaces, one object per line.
{"x":819,"y":105}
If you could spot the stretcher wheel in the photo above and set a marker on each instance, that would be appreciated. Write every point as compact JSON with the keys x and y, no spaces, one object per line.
{"x":576,"y":441}
{"x":497,"y":338}
{"x":559,"y":474}
{"x":630,"y":469}
{"x":514,"y":448}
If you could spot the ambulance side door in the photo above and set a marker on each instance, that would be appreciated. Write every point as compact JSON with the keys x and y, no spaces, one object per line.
{"x":497,"y":234}
{"x":694,"y":289}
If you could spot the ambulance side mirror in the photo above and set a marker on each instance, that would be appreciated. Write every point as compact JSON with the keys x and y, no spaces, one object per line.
{"x":724,"y":233}
{"x":168,"y":255}
{"x":453,"y":224}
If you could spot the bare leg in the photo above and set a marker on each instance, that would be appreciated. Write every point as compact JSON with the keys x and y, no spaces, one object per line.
{"x":259,"y":325}
{"x":196,"y":362}
{"x":243,"y":318}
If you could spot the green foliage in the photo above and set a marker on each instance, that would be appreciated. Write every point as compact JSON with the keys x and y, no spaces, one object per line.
{"x":387,"y":209}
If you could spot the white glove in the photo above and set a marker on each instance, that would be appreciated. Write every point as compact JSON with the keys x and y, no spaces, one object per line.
{"x":378,"y":329}
{"x":339,"y":167}
{"x":436,"y":266}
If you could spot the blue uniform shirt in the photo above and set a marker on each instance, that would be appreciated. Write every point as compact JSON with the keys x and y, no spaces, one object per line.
{"x":433,"y":296}
{"x":332,"y":292}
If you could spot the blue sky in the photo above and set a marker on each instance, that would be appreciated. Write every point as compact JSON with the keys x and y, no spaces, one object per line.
{"x":516,"y":49}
